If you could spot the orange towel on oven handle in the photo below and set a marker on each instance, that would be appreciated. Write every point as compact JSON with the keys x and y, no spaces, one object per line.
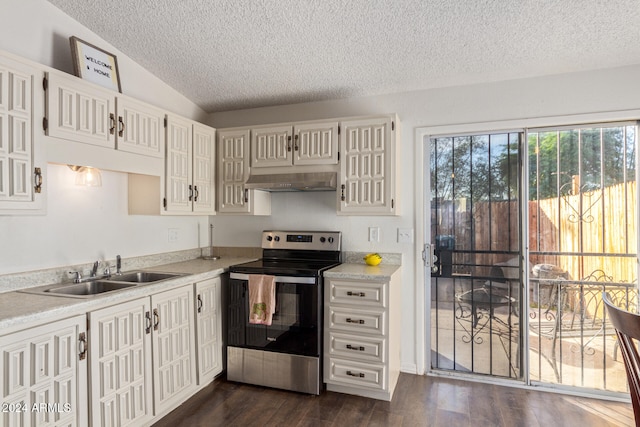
{"x":262,"y":299}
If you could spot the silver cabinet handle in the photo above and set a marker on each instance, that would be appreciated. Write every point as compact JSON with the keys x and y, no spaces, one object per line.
{"x":353,"y":374}
{"x":246,"y":195}
{"x":358,"y":321}
{"x":156,"y":317}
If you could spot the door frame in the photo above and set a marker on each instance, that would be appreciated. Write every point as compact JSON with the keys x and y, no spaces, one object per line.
{"x":422,"y":220}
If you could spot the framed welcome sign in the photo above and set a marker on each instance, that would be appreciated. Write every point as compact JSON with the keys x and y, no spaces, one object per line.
{"x":94,"y":64}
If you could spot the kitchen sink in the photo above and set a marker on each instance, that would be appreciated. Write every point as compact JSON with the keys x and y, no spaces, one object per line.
{"x":143,"y":277}
{"x":95,"y":286}
{"x":85,"y":289}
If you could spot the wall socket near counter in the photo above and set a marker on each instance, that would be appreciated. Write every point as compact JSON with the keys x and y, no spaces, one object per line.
{"x":374,"y":234}
{"x":405,"y":235}
{"x":173,"y":235}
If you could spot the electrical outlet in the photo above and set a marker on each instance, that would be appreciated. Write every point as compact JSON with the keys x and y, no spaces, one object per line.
{"x":173,"y":235}
{"x":374,"y":234}
{"x":405,"y":235}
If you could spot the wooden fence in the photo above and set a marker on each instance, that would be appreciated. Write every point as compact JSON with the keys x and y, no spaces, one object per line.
{"x":582,"y":226}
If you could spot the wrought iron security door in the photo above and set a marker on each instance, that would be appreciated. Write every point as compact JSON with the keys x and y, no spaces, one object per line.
{"x":583,"y":240}
{"x":475,"y":228}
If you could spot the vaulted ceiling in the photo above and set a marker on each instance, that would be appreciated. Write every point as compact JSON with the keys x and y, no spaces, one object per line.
{"x":233,"y":54}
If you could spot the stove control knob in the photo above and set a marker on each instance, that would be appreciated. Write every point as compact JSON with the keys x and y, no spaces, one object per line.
{"x":330,"y":239}
{"x":269,"y":238}
{"x":277,"y":238}
{"x":322,"y":240}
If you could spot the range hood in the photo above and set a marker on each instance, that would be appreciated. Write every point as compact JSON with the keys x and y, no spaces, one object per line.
{"x":307,"y":181}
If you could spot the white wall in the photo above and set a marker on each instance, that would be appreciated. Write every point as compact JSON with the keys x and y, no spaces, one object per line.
{"x":84,"y":224}
{"x":517,"y":100}
{"x":37,"y":30}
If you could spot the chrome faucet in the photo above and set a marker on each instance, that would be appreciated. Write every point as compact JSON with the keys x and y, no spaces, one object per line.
{"x":78,"y":276}
{"x":94,"y":270}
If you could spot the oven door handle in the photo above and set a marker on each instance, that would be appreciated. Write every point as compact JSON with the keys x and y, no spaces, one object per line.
{"x":279,"y":279}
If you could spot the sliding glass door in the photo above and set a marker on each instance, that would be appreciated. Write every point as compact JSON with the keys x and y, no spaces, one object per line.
{"x":527,"y":230}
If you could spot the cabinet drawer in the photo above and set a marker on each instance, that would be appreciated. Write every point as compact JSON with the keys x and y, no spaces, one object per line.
{"x":367,"y":375}
{"x":356,"y":320}
{"x":357,"y":347}
{"x":355,"y":292}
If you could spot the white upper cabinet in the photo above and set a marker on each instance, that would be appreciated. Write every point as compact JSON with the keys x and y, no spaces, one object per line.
{"x":233,"y":171}
{"x":367,"y":168}
{"x":315,"y":143}
{"x":79,"y":111}
{"x":271,"y":146}
{"x":299,"y":144}
{"x":190,"y":167}
{"x":179,"y":189}
{"x":22,"y":163}
{"x":83,"y":112}
{"x":204,"y":148}
{"x":140,"y":128}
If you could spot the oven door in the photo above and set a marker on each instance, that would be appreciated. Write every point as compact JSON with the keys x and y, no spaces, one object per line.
{"x":295,"y":327}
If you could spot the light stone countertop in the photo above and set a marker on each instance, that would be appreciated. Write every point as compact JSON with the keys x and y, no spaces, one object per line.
{"x":19,"y":310}
{"x":362,"y":271}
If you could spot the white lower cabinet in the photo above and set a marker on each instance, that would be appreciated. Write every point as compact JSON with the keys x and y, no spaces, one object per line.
{"x":208,"y":330}
{"x":361,"y":338}
{"x":120,"y":364}
{"x":142,"y":358}
{"x":43,"y":375}
{"x":174,"y":354}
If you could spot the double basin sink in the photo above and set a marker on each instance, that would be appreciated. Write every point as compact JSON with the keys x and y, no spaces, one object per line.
{"x":98,"y":286}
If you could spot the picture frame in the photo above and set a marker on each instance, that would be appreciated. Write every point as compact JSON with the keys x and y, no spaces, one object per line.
{"x":94,"y":64}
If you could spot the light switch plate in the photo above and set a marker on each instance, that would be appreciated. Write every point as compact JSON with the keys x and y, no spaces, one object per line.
{"x":374,"y":234}
{"x":173,"y":235}
{"x":405,"y":235}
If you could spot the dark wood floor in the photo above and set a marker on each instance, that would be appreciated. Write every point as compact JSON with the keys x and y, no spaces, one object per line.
{"x":417,"y":401}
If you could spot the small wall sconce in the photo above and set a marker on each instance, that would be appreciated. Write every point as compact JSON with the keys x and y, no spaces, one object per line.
{"x":87,"y":176}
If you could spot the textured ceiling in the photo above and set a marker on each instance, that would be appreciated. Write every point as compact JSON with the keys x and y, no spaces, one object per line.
{"x":232,"y":54}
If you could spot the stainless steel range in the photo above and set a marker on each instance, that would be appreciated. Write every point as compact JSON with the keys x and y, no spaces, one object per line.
{"x":285,"y":350}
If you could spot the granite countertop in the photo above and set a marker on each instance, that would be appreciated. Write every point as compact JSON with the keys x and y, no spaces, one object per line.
{"x":362,"y":271}
{"x":19,"y":310}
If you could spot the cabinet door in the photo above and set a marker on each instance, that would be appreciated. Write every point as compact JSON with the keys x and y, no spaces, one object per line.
{"x":140,"y":128}
{"x":208,"y":330}
{"x":43,"y":366}
{"x":271,"y":146}
{"x":367,"y":168}
{"x":179,"y":189}
{"x":17,"y":82}
{"x":204,"y":139}
{"x":120,"y":364}
{"x":174,"y":360}
{"x":79,"y":111}
{"x":315,"y":144}
{"x":233,"y":169}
